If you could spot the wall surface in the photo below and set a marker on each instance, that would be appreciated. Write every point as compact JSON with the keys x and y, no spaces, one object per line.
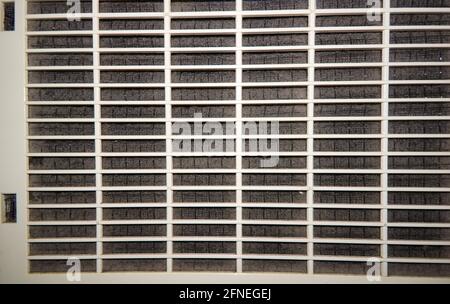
{"x":13,"y":265}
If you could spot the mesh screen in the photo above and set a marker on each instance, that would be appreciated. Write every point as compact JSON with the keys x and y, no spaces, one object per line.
{"x":328,"y":144}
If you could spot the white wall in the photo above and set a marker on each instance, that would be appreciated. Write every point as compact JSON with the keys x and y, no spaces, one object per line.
{"x":12,"y":147}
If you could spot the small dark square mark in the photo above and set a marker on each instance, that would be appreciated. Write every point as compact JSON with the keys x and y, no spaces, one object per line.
{"x":9,"y":208}
{"x":8,"y":16}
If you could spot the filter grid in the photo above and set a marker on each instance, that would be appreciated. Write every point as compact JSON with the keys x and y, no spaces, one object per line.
{"x":245,"y":136}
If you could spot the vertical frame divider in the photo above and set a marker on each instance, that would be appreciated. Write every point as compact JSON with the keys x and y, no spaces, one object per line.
{"x":384,"y":139}
{"x":27,"y":134}
{"x":239,"y":130}
{"x":310,"y":138}
{"x":168,"y":111}
{"x":98,"y":132}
